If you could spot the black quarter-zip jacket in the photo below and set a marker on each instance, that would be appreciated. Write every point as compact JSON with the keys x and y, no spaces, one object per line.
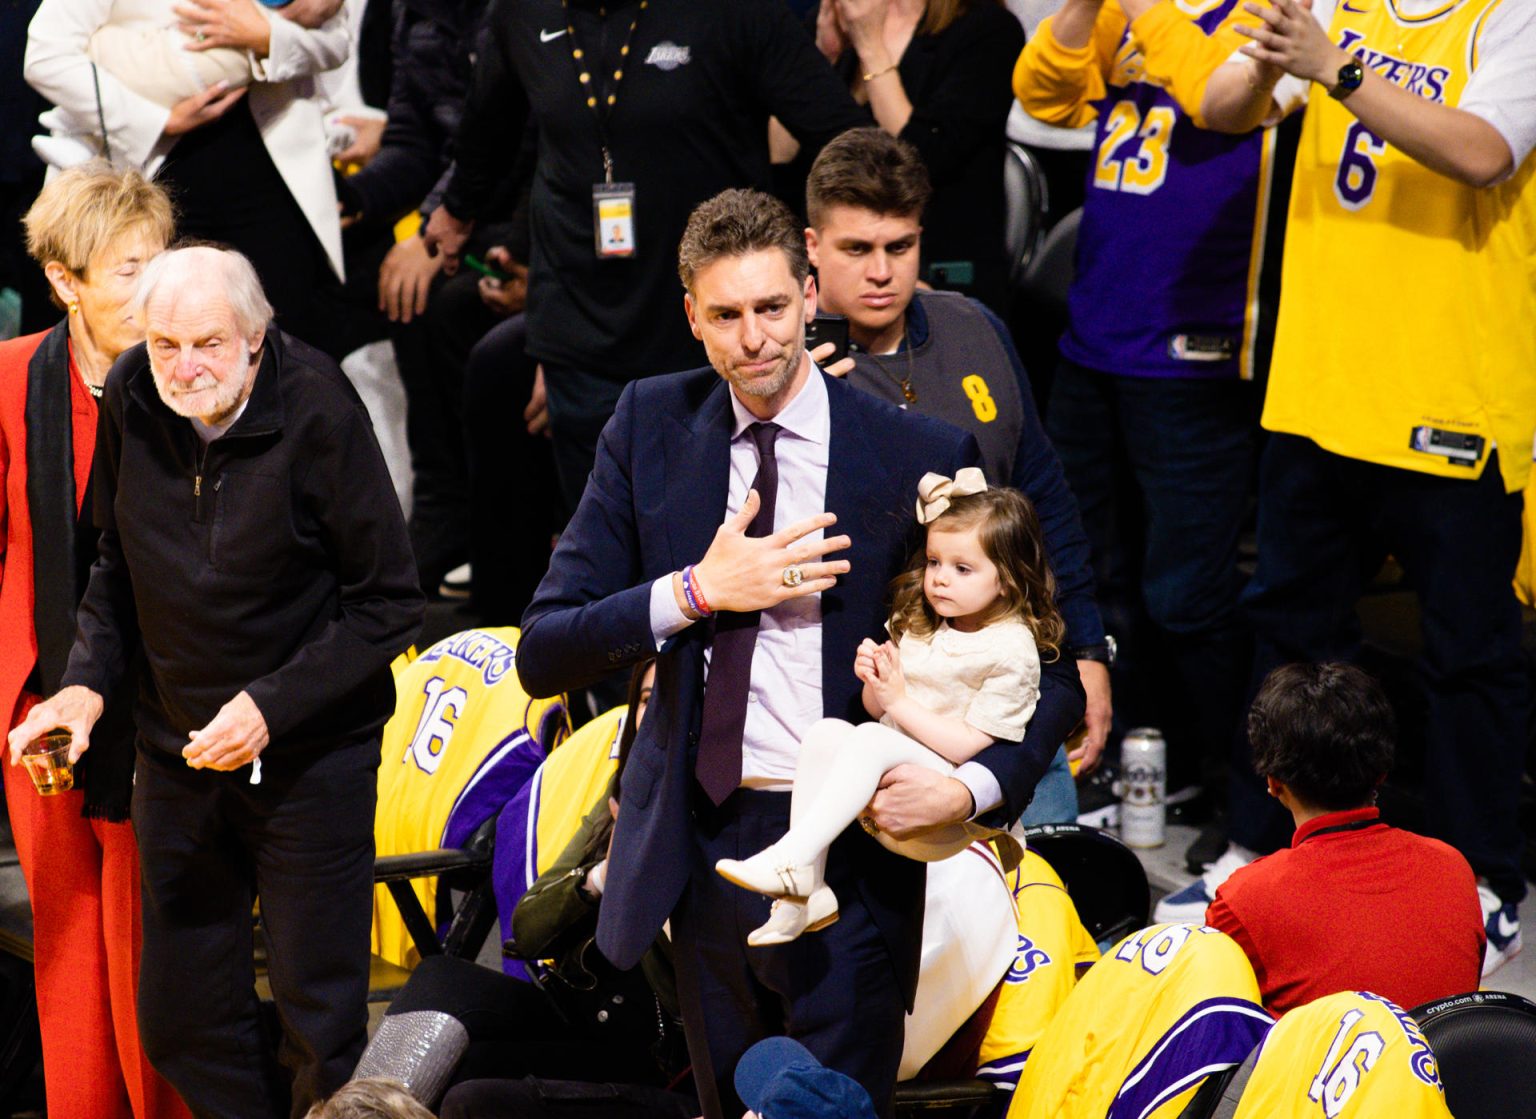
{"x":273,"y":560}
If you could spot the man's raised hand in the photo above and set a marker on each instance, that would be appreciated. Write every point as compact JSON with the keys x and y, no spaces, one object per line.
{"x":741,"y":572}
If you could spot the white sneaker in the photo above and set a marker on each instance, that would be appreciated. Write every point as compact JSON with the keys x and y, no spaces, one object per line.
{"x":457,"y":583}
{"x":1190,"y":903}
{"x":1501,"y":921}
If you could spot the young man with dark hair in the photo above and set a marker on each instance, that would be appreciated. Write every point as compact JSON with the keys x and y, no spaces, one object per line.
{"x":947,"y":356}
{"x":1386,"y":911}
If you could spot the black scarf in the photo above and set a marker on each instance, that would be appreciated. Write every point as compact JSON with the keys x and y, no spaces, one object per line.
{"x":105,"y":773}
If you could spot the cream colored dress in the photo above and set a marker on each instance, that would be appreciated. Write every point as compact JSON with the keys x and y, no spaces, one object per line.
{"x":990,"y":679}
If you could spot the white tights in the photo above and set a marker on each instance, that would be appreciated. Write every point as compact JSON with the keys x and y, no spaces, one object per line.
{"x":839,"y":769}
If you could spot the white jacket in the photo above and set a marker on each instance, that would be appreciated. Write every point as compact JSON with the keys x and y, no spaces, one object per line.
{"x":282,"y":98}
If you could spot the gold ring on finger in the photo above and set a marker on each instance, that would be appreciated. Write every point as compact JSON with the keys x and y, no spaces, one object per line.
{"x":793,"y":575}
{"x":869,"y":825}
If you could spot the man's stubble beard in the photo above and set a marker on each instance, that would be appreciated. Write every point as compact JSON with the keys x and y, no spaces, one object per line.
{"x":766,"y":387}
{"x":228,"y":395}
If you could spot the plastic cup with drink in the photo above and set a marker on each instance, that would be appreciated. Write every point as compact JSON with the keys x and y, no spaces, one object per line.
{"x":47,"y":760}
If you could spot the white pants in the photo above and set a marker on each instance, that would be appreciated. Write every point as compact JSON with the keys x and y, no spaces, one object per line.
{"x":839,"y":769}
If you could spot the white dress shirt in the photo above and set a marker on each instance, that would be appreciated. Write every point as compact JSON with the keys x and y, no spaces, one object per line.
{"x":784,"y":695}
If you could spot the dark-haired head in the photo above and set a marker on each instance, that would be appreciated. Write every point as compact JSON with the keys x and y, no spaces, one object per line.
{"x":1325,"y":731}
{"x":737,"y":223}
{"x":867,"y":169}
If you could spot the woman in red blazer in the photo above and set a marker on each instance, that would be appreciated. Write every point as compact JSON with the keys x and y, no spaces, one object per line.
{"x":91,"y":229}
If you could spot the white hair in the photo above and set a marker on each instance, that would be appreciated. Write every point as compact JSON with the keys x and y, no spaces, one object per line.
{"x":208,"y":264}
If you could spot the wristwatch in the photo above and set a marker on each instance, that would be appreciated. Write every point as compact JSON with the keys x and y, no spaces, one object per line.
{"x":1351,"y":74}
{"x":1103,"y":652}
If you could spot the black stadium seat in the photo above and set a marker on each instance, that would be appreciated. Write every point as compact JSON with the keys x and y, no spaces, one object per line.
{"x":1485,"y":1045}
{"x":1104,"y":877}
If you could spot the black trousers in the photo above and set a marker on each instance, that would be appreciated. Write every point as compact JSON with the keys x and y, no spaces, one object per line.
{"x":1325,"y":523}
{"x":512,"y":489}
{"x":1161,"y":469}
{"x":834,"y":991}
{"x":580,"y":403}
{"x":211,"y":843}
{"x":516,"y":1030}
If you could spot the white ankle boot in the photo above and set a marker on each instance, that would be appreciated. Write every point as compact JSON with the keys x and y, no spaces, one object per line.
{"x":769,"y":873}
{"x":790,"y":917}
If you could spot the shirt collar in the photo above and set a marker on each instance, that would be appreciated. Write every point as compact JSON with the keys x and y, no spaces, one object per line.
{"x":1355,"y":816}
{"x":807,"y":416}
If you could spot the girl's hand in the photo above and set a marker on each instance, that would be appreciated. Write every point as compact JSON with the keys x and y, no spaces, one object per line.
{"x":864,"y":661}
{"x":225,"y":23}
{"x":888,"y":683}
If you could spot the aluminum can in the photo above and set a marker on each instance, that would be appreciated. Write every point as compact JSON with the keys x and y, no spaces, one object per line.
{"x":1144,"y":787}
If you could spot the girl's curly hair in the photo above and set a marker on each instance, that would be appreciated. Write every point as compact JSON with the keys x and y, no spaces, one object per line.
{"x":1009,"y":532}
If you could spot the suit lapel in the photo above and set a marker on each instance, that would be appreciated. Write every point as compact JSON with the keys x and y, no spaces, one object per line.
{"x":698,"y":476}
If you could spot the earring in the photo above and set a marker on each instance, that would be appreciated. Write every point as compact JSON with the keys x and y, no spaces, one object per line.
{"x":74,"y":306}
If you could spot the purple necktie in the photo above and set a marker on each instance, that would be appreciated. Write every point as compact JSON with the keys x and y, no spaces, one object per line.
{"x":718,"y":766}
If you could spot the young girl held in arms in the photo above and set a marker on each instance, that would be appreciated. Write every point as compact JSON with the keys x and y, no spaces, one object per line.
{"x":970,"y":618}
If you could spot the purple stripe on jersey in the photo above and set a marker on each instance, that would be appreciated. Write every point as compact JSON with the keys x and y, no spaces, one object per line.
{"x":1213,"y":1035}
{"x":1163,"y":252}
{"x":500,"y":774}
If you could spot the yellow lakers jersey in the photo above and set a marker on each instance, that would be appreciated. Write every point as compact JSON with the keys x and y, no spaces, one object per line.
{"x":569,"y":784}
{"x":1052,"y":945}
{"x":1345,"y":1056}
{"x":461,"y":716}
{"x":1143,"y":1029}
{"x":1407,"y":298}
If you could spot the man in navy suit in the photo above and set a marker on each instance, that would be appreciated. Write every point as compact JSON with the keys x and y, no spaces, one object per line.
{"x":702,"y":533}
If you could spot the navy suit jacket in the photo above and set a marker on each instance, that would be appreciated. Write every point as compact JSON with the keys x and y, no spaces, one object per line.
{"x":656,"y":496}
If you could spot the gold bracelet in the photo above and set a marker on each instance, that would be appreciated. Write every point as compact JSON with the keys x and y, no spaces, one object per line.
{"x":878,"y":73}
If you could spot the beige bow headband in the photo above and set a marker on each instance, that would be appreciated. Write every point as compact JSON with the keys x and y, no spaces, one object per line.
{"x":935,"y":491}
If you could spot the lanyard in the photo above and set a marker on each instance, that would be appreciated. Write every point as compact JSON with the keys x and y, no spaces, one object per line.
{"x":584,"y":76}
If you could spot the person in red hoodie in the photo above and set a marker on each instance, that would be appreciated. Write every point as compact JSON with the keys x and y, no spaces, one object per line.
{"x":1386,"y":911}
{"x":92,"y":230}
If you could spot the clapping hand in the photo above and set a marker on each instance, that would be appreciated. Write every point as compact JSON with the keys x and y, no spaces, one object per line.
{"x":830,"y":39}
{"x":863,"y":21}
{"x":741,"y":572}
{"x":1289,"y":37}
{"x":879,"y":667}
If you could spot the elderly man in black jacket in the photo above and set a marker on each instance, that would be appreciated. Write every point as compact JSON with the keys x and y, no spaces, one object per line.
{"x":252,"y":549}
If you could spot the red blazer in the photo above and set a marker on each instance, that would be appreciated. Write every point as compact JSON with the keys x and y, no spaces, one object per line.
{"x":18,"y":641}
